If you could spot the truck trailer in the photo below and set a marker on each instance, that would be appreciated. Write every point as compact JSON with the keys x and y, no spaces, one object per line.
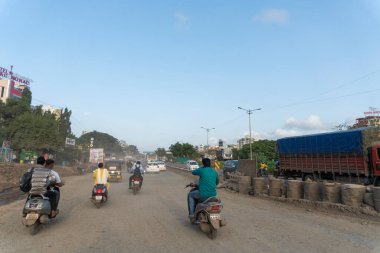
{"x":347,"y":156}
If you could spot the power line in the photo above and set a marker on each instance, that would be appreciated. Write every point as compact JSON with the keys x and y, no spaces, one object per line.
{"x":307,"y":101}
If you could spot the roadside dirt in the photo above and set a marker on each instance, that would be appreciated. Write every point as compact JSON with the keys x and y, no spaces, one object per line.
{"x":10,"y":174}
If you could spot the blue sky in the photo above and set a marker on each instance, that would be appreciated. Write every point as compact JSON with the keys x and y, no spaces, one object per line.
{"x":154,"y":72}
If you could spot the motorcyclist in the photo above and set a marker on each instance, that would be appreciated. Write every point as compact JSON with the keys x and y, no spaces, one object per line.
{"x":101,"y":176}
{"x":58,"y":182}
{"x":208,"y":180}
{"x":41,"y":184}
{"x":137,"y":171}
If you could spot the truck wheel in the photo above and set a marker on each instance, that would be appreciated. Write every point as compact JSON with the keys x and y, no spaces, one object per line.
{"x":376,"y":182}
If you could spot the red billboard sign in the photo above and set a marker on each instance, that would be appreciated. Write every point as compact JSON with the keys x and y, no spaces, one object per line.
{"x":13,"y":76}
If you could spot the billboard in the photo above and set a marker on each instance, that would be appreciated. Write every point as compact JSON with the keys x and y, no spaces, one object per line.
{"x":17,"y":83}
{"x":96,"y":155}
{"x":70,"y":141}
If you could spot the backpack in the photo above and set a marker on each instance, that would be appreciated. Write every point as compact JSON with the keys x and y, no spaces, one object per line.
{"x":25,"y":181}
{"x":137,"y":171}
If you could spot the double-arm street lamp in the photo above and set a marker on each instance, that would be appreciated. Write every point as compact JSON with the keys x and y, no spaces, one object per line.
{"x":208,"y":130}
{"x":249,"y":111}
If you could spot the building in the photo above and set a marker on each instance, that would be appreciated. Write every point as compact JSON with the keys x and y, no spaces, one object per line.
{"x":56,"y":111}
{"x":244,"y":141}
{"x":201,"y":148}
{"x":367,"y":121}
{"x":372,"y":118}
{"x":11,"y":84}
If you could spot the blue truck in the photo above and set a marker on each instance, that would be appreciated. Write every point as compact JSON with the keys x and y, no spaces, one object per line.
{"x":349,"y":156}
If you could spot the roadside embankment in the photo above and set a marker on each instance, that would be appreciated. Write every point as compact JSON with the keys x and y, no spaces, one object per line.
{"x":10,"y":173}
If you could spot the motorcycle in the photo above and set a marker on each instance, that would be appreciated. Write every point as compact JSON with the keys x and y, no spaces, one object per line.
{"x":99,"y":195}
{"x":207,"y":214}
{"x":136,"y":185}
{"x":37,"y":210}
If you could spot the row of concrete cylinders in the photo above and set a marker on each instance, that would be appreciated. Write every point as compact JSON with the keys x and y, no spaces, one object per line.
{"x":348,"y":194}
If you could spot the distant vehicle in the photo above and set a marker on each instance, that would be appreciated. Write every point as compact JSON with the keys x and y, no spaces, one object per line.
{"x":152,"y":167}
{"x":114,"y":168}
{"x":192,"y":165}
{"x":229,"y":167}
{"x":161,"y":165}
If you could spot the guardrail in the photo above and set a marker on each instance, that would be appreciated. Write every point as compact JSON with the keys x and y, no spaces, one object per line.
{"x":178,"y":167}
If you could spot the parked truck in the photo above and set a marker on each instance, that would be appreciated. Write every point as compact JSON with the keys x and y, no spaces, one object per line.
{"x":349,"y":156}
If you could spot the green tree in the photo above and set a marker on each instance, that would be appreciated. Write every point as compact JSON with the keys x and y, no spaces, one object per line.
{"x":160,"y":152}
{"x":183,"y":150}
{"x":110,"y":144}
{"x":33,"y":131}
{"x":64,"y":127}
{"x":132,"y":150}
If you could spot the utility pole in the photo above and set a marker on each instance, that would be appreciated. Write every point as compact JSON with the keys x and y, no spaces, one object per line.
{"x":208,"y":130}
{"x":249,"y":111}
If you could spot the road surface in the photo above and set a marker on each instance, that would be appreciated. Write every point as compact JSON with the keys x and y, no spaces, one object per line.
{"x":155,"y":220}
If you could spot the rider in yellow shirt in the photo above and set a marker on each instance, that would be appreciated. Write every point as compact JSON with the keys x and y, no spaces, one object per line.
{"x":101,"y":176}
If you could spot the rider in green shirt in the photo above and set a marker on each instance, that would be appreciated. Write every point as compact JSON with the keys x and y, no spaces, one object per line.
{"x":208,"y":180}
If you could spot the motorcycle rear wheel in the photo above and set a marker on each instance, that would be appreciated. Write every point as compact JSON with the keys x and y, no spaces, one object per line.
{"x":33,"y":229}
{"x":213,"y":232}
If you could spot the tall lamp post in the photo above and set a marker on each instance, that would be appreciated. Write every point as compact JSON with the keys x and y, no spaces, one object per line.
{"x":208,"y":130}
{"x":249,"y":111}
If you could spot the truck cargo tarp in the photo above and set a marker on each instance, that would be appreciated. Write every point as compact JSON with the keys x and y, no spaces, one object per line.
{"x":350,"y":141}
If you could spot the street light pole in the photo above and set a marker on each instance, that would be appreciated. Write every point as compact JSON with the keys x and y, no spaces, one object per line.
{"x":249,"y":111}
{"x":207,"y":131}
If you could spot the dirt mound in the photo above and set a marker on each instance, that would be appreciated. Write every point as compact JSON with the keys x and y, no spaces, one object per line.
{"x":10,"y":173}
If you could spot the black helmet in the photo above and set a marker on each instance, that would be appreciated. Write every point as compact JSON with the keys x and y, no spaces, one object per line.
{"x":100,"y":165}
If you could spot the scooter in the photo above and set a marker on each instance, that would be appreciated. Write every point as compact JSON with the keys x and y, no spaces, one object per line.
{"x":136,"y":185}
{"x":99,"y":195}
{"x":36,"y":211}
{"x":207,"y":214}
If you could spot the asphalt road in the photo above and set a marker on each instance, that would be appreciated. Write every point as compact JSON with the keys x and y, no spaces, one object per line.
{"x":155,"y":220}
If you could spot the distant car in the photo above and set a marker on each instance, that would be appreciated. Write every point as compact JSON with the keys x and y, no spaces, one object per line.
{"x":192,"y":165}
{"x":152,"y":167}
{"x":229,"y":166}
{"x":161,"y":165}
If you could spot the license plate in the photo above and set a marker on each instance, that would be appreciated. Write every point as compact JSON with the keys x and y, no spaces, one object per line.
{"x":136,"y":182}
{"x":98,"y":197}
{"x":32,"y":216}
{"x":215,"y":216}
{"x":33,"y":206}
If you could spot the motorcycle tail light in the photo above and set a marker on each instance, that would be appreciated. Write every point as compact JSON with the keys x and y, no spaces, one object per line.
{"x":99,"y":190}
{"x":216,"y":208}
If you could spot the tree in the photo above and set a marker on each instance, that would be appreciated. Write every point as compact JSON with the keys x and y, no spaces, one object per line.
{"x":132,"y":150}
{"x":33,"y":131}
{"x":183,"y":150}
{"x":266,"y":148}
{"x":344,"y":126}
{"x":160,"y":152}
{"x":64,"y":127}
{"x":110,"y":144}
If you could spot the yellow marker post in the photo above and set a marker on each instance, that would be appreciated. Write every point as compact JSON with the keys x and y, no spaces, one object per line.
{"x":217,"y":165}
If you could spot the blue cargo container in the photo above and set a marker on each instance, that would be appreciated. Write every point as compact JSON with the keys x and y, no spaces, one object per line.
{"x":325,"y":143}
{"x":354,"y":154}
